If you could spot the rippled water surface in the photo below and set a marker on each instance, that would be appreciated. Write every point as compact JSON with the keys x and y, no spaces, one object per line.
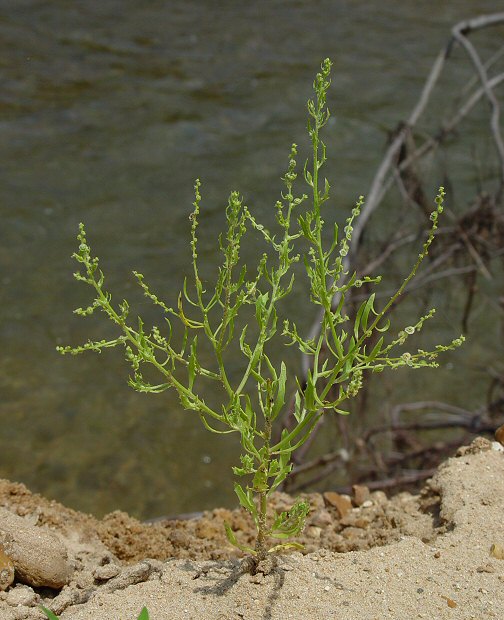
{"x":109,"y":110}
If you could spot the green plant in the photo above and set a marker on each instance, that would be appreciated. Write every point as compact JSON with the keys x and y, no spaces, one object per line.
{"x":144,"y":614}
{"x":339,"y":355}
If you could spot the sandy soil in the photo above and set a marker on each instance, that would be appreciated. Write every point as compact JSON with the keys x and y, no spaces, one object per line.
{"x":366,"y":557}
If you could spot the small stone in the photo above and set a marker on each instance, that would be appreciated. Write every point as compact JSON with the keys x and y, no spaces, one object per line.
{"x":480,"y":444}
{"x":23,"y":613}
{"x":137,"y":573}
{"x":351,"y":533}
{"x":313,"y":531}
{"x":6,"y":570}
{"x":342,"y":503}
{"x":257,"y":579}
{"x":361,"y":494}
{"x":22,"y":595}
{"x":486,"y":568}
{"x":379,"y":497}
{"x":70,"y":596}
{"x":367,"y":504}
{"x":348,"y":519}
{"x":287,"y":567}
{"x":450,"y":602}
{"x":437,"y":555}
{"x":38,"y":555}
{"x":321,"y":518}
{"x":497,"y":551}
{"x":104,"y":573}
{"x":499,"y":434}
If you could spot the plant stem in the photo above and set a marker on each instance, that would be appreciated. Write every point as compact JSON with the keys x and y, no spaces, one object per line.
{"x":262,"y":494}
{"x":260,"y":545}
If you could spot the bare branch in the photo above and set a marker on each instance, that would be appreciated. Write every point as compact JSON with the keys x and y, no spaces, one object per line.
{"x":459,"y":33}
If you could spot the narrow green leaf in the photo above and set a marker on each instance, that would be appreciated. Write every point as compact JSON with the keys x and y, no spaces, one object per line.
{"x":49,"y":613}
{"x":341,"y":411}
{"x":358,"y":319}
{"x":144,"y":614}
{"x":245,"y":499}
{"x":260,"y":308}
{"x":307,"y":175}
{"x":309,"y":392}
{"x":285,"y":454}
{"x":232,"y":539}
{"x":245,"y":348}
{"x":192,"y":362}
{"x":186,"y":294}
{"x":376,"y":350}
{"x":285,"y":546}
{"x":368,"y":308}
{"x":385,"y":328}
{"x":299,"y":411}
{"x":285,"y":469}
{"x":280,"y":397}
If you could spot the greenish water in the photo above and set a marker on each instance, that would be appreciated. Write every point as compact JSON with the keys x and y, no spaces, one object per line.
{"x":109,"y":110}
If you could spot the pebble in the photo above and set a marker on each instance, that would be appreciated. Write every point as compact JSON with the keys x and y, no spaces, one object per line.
{"x":486,"y":568}
{"x":321,"y":518}
{"x":497,"y":551}
{"x":38,"y":555}
{"x":257,"y":579}
{"x":351,"y":533}
{"x":22,"y":595}
{"x":361,"y":494}
{"x":499,"y":434}
{"x":379,"y":497}
{"x":287,"y":567}
{"x":342,"y":503}
{"x":104,"y":573}
{"x":6,"y":570}
{"x":137,"y":573}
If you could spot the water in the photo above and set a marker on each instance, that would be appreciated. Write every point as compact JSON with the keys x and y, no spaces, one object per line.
{"x":109,"y":110}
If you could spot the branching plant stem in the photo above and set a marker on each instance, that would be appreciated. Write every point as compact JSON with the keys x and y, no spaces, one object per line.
{"x":339,"y":354}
